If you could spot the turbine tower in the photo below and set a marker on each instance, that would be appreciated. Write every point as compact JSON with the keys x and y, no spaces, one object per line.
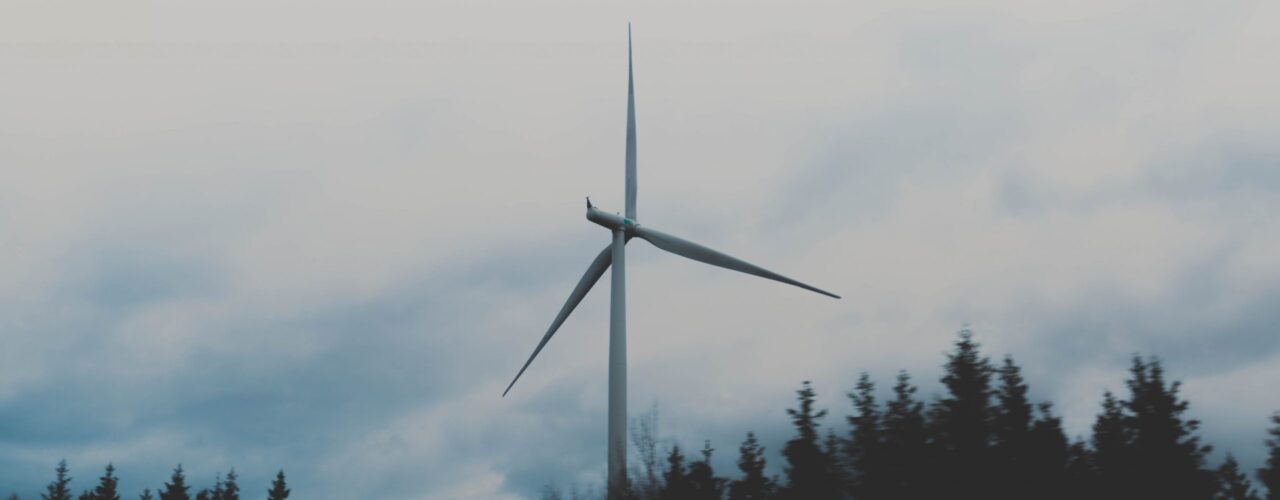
{"x":624,"y":228}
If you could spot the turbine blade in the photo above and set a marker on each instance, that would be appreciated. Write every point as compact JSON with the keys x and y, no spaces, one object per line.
{"x":631,"y":134}
{"x":594,"y":271}
{"x":706,"y":255}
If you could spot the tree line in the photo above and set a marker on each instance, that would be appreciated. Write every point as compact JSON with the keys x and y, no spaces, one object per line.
{"x":224,"y":488}
{"x":984,"y":438}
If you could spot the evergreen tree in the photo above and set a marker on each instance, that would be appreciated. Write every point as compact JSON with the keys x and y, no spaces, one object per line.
{"x":810,"y":474}
{"x":13,"y":496}
{"x":1081,"y":476}
{"x":176,"y":488}
{"x":903,"y":451}
{"x":1048,"y":455}
{"x":86,"y":495}
{"x":203,"y":494}
{"x":1111,"y":452}
{"x":278,"y":489}
{"x":218,"y":491}
{"x":1269,"y":475}
{"x":146,"y":494}
{"x":963,"y":423}
{"x":1233,"y":484}
{"x":676,"y":482}
{"x":106,"y":489}
{"x":1012,"y":442}
{"x":703,"y":483}
{"x":865,"y":479}
{"x":1167,"y":456}
{"x":59,"y":489}
{"x":231,"y":490}
{"x":753,"y":485}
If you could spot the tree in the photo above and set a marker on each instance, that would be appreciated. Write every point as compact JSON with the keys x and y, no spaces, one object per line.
{"x":1111,"y":453}
{"x":278,"y":490}
{"x":1011,"y":435}
{"x":702,"y":480}
{"x":903,"y":449}
{"x":106,"y":489}
{"x":1047,"y":455}
{"x":176,"y":488}
{"x":230,"y":490}
{"x":864,"y":444}
{"x":645,"y":476}
{"x":146,"y":494}
{"x":1167,"y":456}
{"x":810,"y":474}
{"x":59,"y":489}
{"x":963,"y":424}
{"x":675,"y":480}
{"x":1233,"y":484}
{"x":203,"y":494}
{"x":753,"y":485}
{"x":1269,"y":475}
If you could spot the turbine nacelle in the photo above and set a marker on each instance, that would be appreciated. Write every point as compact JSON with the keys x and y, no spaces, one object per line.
{"x":610,"y":221}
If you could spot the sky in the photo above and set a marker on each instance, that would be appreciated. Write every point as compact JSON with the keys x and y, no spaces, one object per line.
{"x":322,"y":236}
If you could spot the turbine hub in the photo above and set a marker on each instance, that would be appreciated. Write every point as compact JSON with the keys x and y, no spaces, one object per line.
{"x":610,"y":221}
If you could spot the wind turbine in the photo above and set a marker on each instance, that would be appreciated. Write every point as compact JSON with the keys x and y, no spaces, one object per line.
{"x":624,"y":228}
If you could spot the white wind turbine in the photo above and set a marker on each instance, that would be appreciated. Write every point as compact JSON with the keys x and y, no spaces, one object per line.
{"x":623,"y":229}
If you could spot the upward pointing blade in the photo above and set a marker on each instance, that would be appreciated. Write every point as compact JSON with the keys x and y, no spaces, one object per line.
{"x":703,"y":254}
{"x":631,"y":134}
{"x":594,"y":271}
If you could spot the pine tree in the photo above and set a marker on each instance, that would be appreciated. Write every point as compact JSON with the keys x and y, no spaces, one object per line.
{"x":203,"y":494}
{"x":218,"y":491}
{"x":106,"y":489}
{"x":176,"y":488}
{"x":1011,"y":435}
{"x":675,"y":479}
{"x":1168,"y":457}
{"x":864,"y":444}
{"x":753,"y":485}
{"x":146,"y":495}
{"x":809,"y":472}
{"x":1048,"y":455}
{"x":1269,"y":475}
{"x":703,"y":483}
{"x":231,"y":490}
{"x":1081,"y":476}
{"x":963,"y":424}
{"x":59,"y":489}
{"x":1111,"y":457}
{"x":278,"y":490}
{"x":904,"y":451}
{"x":1233,"y":484}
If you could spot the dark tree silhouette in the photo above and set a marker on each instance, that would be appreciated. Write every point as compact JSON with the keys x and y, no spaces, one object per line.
{"x":1167,"y":456}
{"x":59,"y":489}
{"x":863,"y":448}
{"x":1048,"y":457}
{"x":106,"y":489}
{"x":1269,"y":475}
{"x":810,"y":470}
{"x":1111,"y":456}
{"x":146,"y":495}
{"x":230,"y":490}
{"x":203,"y":494}
{"x":962,"y":423}
{"x":1012,"y":446}
{"x":278,"y":490}
{"x":703,"y":483}
{"x":753,"y":485}
{"x":675,"y":479}
{"x":904,"y":451}
{"x":646,"y":481}
{"x":1233,"y":484}
{"x":176,"y":488}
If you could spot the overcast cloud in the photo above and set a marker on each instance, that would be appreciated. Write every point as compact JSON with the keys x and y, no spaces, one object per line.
{"x":322,"y":236}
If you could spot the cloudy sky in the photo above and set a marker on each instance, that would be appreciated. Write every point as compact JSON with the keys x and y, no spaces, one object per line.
{"x":322,"y":236}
